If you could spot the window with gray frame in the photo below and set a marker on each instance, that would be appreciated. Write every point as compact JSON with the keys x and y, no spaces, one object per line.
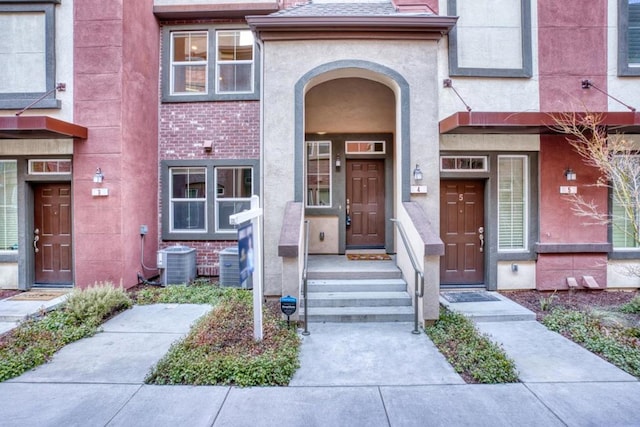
{"x":205,"y":63}
{"x":629,"y":37}
{"x":8,"y":205}
{"x":513,"y":204}
{"x":199,"y":196}
{"x":27,"y":54}
{"x":491,"y":39}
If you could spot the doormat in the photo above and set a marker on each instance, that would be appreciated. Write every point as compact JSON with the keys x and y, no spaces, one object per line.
{"x":475,"y":296}
{"x":37,"y":296}
{"x":368,"y":257}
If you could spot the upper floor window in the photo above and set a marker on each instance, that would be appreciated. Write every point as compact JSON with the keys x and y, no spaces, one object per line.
{"x":208,"y":64}
{"x":27,"y":54}
{"x":490,"y":39}
{"x":629,"y":37}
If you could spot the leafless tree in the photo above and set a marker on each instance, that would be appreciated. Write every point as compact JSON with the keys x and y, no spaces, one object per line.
{"x":617,"y":158}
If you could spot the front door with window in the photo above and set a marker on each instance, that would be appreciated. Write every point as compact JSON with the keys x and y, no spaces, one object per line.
{"x":462,"y":231}
{"x":52,"y":234}
{"x":365,"y":203}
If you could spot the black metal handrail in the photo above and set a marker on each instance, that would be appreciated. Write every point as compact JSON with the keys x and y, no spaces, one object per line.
{"x":418,"y":277}
{"x":304,"y":276}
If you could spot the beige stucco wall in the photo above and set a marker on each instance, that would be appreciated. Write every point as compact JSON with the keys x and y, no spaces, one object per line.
{"x":623,"y":274}
{"x":328,"y":225}
{"x":286,"y":62}
{"x":523,"y":278}
{"x":490,"y":142}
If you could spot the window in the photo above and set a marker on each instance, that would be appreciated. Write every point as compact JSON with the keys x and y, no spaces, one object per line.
{"x":192,"y":209}
{"x":234,"y":188}
{"x":365,"y":147}
{"x":196,"y":57}
{"x":490,"y":39}
{"x":625,"y":214}
{"x":235,"y":61}
{"x":27,"y":58}
{"x":189,"y":62}
{"x":512,"y":203}
{"x":49,"y":166}
{"x":8,"y":205}
{"x":629,"y":37}
{"x":463,"y":164}
{"x":319,"y":173}
{"x":188,"y":188}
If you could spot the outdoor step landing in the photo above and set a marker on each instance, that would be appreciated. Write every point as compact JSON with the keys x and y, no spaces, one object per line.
{"x":357,"y":285}
{"x":358,"y":299}
{"x":338,"y":274}
{"x":359,"y":314}
{"x":491,"y":311}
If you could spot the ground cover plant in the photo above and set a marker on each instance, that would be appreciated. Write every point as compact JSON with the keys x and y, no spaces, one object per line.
{"x":473,"y":355}
{"x":220,"y":349}
{"x":35,"y":341}
{"x":200,"y":292}
{"x":605,"y":323}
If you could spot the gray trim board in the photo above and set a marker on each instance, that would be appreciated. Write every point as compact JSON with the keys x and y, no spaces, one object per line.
{"x":527,"y":61}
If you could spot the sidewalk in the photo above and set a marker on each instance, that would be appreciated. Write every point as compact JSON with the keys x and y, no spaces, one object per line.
{"x":350,"y":375}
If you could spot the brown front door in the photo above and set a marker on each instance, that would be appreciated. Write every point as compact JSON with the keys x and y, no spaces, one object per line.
{"x":365,"y":203}
{"x":52,"y":234}
{"x":462,"y":231}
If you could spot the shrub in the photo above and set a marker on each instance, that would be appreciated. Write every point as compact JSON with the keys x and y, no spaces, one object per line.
{"x":632,"y":306}
{"x":617,"y":345}
{"x":220,"y":349}
{"x":471,"y":354}
{"x":96,"y":303}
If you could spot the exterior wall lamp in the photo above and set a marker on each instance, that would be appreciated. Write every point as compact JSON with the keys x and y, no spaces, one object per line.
{"x":570,"y":174}
{"x":98,"y":177}
{"x":338,"y":163}
{"x":417,"y":174}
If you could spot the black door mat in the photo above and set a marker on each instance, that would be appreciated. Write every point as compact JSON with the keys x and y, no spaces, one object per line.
{"x":474,"y":296}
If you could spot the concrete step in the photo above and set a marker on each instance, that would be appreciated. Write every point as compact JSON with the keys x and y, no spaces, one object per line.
{"x":359,"y":299}
{"x":391,"y":272}
{"x":359,"y":314}
{"x":502,"y":310}
{"x":357,"y":285}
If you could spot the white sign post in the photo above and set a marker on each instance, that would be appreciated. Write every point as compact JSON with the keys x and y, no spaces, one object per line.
{"x":254,"y":215}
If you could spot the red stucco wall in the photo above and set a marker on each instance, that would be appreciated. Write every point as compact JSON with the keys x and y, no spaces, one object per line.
{"x":572,"y":44}
{"x":116,"y":86}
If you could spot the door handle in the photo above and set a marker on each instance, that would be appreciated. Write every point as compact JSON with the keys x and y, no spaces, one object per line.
{"x":36,"y":237}
{"x":481,"y":237}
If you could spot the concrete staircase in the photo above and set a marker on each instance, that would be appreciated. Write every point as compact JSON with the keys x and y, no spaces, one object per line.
{"x":356,"y":295}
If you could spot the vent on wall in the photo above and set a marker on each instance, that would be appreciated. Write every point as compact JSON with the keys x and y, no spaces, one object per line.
{"x":177,"y":265}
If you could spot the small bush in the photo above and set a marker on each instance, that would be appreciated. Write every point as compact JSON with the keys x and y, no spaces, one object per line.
{"x":473,"y":355}
{"x":632,"y":306}
{"x":96,"y":303}
{"x":221,"y":350}
{"x":618,"y":346}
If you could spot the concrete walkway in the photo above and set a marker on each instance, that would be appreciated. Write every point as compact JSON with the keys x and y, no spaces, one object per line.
{"x":350,"y":375}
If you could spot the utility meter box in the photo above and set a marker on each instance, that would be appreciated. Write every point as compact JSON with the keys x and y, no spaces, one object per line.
{"x":177,"y":265}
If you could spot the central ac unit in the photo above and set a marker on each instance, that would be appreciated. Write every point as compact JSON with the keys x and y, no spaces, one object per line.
{"x":177,"y":265}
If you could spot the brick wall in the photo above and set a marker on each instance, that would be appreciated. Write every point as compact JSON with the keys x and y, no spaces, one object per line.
{"x":234,"y":129}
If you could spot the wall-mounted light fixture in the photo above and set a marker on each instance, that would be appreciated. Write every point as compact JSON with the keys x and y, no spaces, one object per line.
{"x":570,"y":174}
{"x":338,"y":162}
{"x":417,"y":174}
{"x":98,"y":177}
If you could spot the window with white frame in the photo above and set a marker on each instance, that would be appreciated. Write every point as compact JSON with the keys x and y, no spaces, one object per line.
{"x":512,"y":203}
{"x":208,"y":63}
{"x":318,"y":180}
{"x":189,"y":51}
{"x":625,"y":197}
{"x":629,"y":37}
{"x":188,"y":189}
{"x":234,"y":188}
{"x":8,"y":205}
{"x":199,"y":196}
{"x":235,"y":61}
